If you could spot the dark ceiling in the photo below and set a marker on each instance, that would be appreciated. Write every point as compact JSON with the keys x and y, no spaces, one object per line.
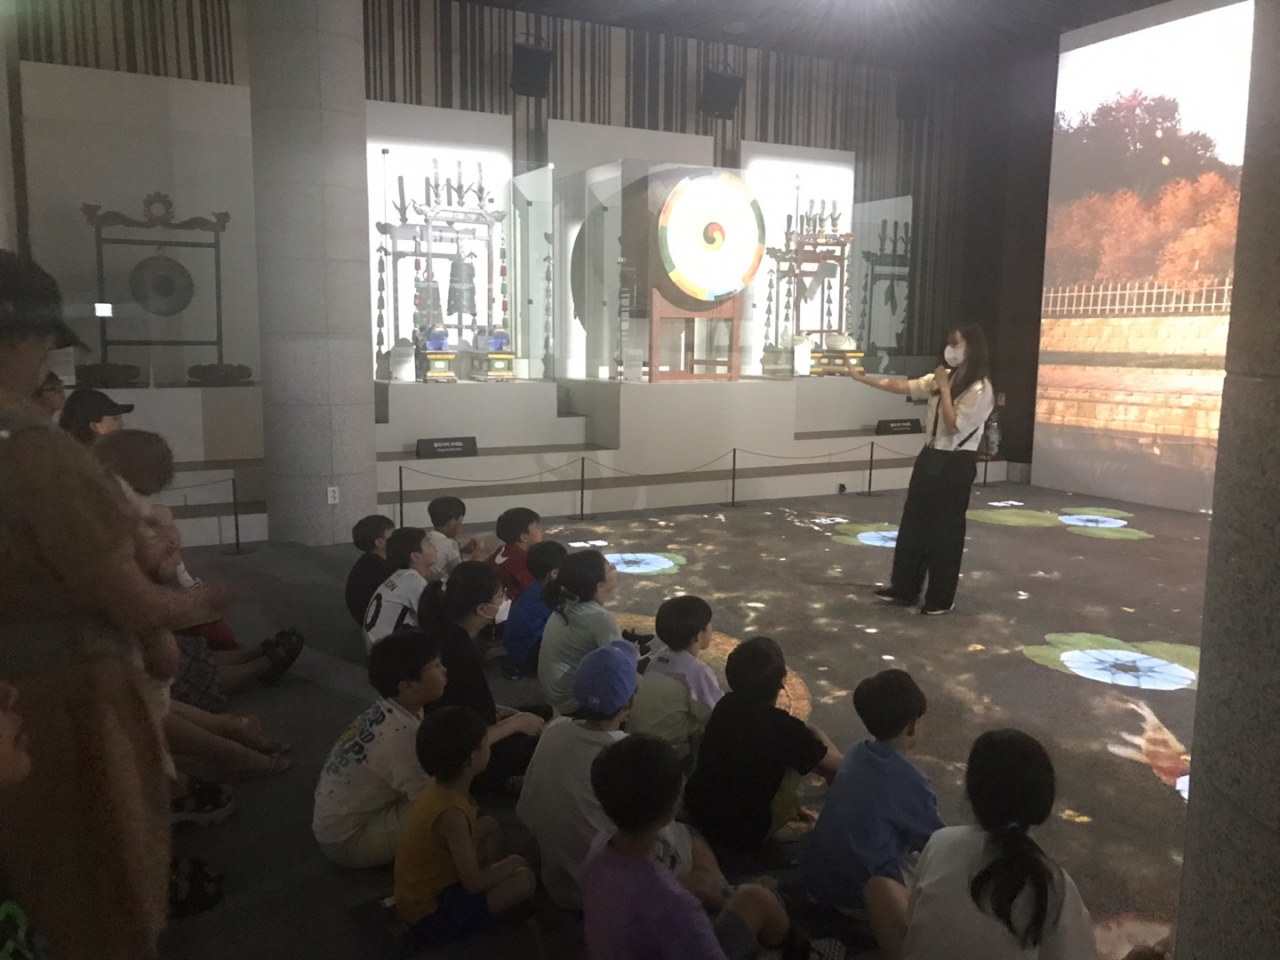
{"x":928,"y":35}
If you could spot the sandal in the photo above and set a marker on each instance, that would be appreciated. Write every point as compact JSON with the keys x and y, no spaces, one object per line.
{"x":205,"y":803}
{"x":282,"y":650}
{"x":247,"y":731}
{"x":194,"y":887}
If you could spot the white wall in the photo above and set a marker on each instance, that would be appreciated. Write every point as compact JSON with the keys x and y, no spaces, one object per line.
{"x":108,"y":138}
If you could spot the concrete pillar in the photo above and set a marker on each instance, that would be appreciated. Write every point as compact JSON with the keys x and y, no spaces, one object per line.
{"x":1231,"y":872}
{"x":9,"y":239}
{"x":306,"y":60}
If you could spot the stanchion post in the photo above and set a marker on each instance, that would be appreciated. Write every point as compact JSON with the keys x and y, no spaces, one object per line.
{"x":871,"y":469}
{"x":400,"y":470}
{"x":235,"y":513}
{"x":733,"y":479}
{"x":733,"y":482}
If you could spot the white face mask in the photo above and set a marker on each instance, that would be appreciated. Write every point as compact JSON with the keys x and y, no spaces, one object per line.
{"x":954,"y":356}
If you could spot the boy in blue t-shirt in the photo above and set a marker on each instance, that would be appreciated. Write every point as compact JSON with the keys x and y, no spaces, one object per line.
{"x":522,"y":632}
{"x":880,"y":811}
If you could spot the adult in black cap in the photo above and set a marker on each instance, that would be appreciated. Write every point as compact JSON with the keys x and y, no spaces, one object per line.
{"x":84,"y":637}
{"x":89,"y":414}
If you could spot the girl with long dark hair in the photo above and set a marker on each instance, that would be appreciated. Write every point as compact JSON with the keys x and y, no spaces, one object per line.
{"x":931,"y":535}
{"x":988,"y":890}
{"x":455,"y":611}
{"x":579,"y":623}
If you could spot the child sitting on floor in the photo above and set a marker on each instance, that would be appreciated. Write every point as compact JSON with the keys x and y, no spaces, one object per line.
{"x":679,"y":691}
{"x":372,"y":569}
{"x":395,"y":604}
{"x":447,"y":514}
{"x":579,"y":623}
{"x":753,"y":754}
{"x":522,"y":635}
{"x":372,"y":776}
{"x":880,"y":810}
{"x":519,"y":529}
{"x":988,"y":890}
{"x":449,"y":880}
{"x":634,"y":906}
{"x":559,"y":807}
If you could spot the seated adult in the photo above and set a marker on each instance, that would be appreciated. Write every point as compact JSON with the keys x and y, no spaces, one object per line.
{"x":455,"y":611}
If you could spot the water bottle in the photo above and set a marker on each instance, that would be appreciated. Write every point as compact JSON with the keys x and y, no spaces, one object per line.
{"x":993,"y":437}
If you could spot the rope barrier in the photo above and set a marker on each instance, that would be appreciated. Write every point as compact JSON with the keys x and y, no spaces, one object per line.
{"x":529,"y":476}
{"x":196,"y":486}
{"x":664,"y":473}
{"x":812,"y":456}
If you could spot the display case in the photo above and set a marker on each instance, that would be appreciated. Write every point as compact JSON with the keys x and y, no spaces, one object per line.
{"x":626,"y":271}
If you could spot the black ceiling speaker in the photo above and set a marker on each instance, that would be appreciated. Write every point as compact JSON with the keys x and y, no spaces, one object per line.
{"x":720,"y":94}
{"x":531,"y":69}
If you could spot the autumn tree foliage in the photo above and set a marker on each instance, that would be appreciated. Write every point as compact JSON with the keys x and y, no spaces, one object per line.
{"x":1135,"y":198}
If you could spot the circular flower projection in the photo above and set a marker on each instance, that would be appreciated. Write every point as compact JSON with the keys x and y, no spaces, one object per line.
{"x":794,"y":698}
{"x":1125,"y":668}
{"x":1092,"y":520}
{"x":866,"y":534}
{"x":646,"y":563}
{"x":1151,"y":665}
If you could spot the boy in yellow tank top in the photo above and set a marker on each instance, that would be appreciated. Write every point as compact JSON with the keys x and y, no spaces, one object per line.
{"x":449,"y":878}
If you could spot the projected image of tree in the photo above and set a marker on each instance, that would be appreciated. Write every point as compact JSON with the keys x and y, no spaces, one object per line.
{"x":1134,"y":197}
{"x":1143,"y":206}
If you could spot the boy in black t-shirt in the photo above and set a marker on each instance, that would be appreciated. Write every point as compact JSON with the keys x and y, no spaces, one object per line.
{"x":743,"y":789}
{"x":371,"y":570}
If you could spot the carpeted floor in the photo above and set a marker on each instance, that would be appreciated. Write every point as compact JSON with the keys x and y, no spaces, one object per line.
{"x":1078,"y":620}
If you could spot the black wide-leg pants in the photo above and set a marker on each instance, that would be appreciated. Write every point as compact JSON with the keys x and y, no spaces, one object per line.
{"x":931,"y":535}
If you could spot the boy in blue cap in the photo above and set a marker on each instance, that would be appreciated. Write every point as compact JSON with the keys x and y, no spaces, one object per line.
{"x":558,"y":805}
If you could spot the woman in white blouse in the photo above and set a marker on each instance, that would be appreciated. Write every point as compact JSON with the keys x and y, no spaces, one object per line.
{"x":931,"y":535}
{"x":988,"y":891}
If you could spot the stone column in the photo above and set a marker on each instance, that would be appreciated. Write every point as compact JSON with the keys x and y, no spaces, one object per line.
{"x":306,"y":64}
{"x":1231,"y":872}
{"x":9,"y":239}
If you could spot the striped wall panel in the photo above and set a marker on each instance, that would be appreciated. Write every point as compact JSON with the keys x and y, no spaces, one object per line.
{"x":448,"y":53}
{"x":183,"y":39}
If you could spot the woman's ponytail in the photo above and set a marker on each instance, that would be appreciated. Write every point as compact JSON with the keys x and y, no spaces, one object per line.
{"x":575,"y":581}
{"x":1010,"y":784}
{"x":1019,"y":863}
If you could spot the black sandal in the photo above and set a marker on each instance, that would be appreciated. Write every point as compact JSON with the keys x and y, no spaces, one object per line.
{"x":282,"y":650}
{"x":194,"y":887}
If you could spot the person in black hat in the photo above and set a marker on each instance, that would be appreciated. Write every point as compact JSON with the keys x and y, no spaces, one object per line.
{"x":85,"y":637}
{"x":90,"y":414}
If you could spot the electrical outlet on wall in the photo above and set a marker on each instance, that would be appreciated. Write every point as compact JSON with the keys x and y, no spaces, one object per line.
{"x":333,"y":495}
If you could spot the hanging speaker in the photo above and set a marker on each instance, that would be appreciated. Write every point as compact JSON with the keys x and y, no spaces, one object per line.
{"x":720,"y":94}
{"x":531,"y":69}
